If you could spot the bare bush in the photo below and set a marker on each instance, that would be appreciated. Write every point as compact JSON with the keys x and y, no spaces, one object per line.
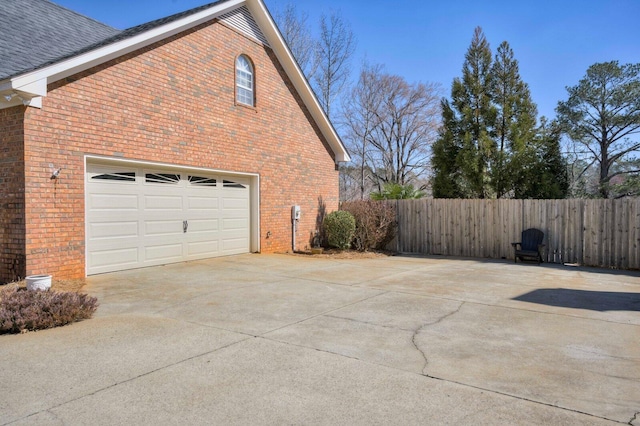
{"x":24,"y":310}
{"x":375,"y":223}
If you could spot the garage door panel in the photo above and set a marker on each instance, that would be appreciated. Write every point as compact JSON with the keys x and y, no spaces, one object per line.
{"x":135,"y":217}
{"x":162,"y":228}
{"x":116,"y":229}
{"x":114,"y":244}
{"x":235,"y":203}
{"x":163,"y":203}
{"x":234,"y":245}
{"x":106,"y":260}
{"x":163,"y":252}
{"x":199,"y":226}
{"x":234,"y":224}
{"x":115,"y":217}
{"x":203,"y":203}
{"x":203,"y":249}
{"x":113,"y":202}
{"x":114,"y":187}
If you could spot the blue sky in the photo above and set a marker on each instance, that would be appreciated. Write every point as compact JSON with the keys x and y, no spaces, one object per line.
{"x":554,"y":41}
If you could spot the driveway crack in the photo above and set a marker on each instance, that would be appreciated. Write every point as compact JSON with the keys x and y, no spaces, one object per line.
{"x":367,"y":323}
{"x":422,"y":327}
{"x":634,"y":418}
{"x":324,"y":313}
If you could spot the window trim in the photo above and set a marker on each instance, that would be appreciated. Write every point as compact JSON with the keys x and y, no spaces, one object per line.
{"x":237,"y":83}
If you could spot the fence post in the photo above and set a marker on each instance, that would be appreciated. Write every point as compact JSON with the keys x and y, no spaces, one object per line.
{"x":398,"y":229}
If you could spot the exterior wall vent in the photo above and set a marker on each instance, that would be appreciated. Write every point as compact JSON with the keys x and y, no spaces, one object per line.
{"x":242,"y":20}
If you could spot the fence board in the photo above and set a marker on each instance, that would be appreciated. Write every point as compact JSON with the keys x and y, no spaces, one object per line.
{"x":603,"y":233}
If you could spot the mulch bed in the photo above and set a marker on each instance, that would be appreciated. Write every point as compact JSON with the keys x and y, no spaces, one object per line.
{"x":344,"y":254}
{"x":56,"y":285}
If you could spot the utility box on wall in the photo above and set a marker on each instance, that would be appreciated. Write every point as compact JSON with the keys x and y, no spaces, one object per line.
{"x":295,"y":213}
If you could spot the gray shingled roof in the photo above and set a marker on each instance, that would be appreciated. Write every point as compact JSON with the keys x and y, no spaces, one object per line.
{"x":36,"y":33}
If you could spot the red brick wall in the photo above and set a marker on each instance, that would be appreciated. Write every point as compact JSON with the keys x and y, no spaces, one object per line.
{"x":173,"y":102}
{"x":12,"y":244}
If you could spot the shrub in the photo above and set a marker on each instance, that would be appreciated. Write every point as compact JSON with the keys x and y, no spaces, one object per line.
{"x":22,"y":310}
{"x":375,"y":223}
{"x":339,"y":227}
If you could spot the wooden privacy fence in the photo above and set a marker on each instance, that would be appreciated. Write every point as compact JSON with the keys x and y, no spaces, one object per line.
{"x":604,"y":233}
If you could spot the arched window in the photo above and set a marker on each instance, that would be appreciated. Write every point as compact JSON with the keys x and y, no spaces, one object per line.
{"x":244,"y":81}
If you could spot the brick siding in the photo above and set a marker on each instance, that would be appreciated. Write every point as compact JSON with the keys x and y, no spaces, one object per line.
{"x":173,"y":102}
{"x":12,"y":197}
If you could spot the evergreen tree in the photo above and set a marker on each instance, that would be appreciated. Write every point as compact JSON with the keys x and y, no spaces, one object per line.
{"x":555,"y":183}
{"x":472,"y":99}
{"x":489,"y":145}
{"x":515,"y":126}
{"x":446,"y":182}
{"x":539,"y":170}
{"x":469,"y":121}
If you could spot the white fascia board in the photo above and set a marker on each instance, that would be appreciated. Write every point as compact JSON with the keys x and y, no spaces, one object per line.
{"x":279,"y":46}
{"x":60,"y":70}
{"x":35,"y":88}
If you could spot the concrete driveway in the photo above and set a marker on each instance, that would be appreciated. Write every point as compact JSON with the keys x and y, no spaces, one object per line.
{"x":277,"y":339}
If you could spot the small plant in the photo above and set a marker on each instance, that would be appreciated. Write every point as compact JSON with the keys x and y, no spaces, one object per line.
{"x":375,"y":223}
{"x":395,"y":191}
{"x":339,"y":227}
{"x":24,"y":310}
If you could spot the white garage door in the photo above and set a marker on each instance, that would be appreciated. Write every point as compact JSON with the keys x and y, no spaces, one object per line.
{"x":139,"y":217}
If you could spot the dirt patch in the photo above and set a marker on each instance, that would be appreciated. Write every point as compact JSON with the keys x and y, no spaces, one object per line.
{"x":345,"y":254}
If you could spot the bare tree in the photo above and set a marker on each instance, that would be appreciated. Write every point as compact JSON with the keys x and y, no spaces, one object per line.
{"x":295,"y":30}
{"x":408,"y":122}
{"x":361,"y":119}
{"x":334,"y":50}
{"x":349,"y":181}
{"x":391,"y":126}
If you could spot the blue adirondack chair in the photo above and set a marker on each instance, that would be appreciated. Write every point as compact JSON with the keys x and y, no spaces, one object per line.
{"x":530,"y":248}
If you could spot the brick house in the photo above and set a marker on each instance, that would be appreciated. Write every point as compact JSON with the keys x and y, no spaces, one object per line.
{"x":184,"y":138}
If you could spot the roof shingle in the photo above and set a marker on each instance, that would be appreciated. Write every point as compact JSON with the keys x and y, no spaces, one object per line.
{"x":36,"y":33}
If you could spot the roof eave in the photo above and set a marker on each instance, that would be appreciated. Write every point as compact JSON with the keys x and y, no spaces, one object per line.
{"x":31,"y":86}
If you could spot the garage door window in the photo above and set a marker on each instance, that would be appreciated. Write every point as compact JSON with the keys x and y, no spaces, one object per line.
{"x":232,"y":184}
{"x":202,"y":181}
{"x":117,"y":176}
{"x":166,"y":178}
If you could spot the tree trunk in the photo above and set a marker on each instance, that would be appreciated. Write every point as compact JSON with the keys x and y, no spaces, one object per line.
{"x":604,"y":164}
